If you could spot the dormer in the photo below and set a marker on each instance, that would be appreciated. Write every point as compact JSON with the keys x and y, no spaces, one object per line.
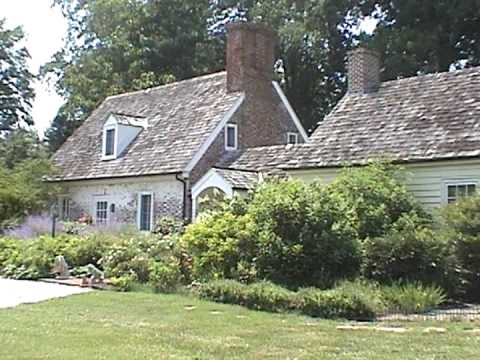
{"x":119,"y":131}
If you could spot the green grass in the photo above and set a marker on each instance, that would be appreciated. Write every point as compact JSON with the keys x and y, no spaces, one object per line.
{"x":108,"y":325}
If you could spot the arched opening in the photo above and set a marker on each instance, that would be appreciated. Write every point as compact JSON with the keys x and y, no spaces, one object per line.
{"x":209,"y":199}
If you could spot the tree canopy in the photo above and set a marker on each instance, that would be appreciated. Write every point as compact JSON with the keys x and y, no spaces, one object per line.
{"x":16,"y":92}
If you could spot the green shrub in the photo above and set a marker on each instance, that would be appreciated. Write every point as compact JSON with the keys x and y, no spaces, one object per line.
{"x":460,"y":225}
{"x":410,"y":251}
{"x":375,"y":197}
{"x":333,"y":304}
{"x":413,"y":297}
{"x":263,"y":295}
{"x":165,"y":276}
{"x":267,"y":296}
{"x":223,"y":291}
{"x":302,"y":235}
{"x":220,"y":246}
{"x":123,"y":283}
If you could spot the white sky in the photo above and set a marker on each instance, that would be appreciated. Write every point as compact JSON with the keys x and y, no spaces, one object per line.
{"x":45,"y":28}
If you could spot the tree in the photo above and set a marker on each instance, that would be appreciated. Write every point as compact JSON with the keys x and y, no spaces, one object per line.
{"x":116,"y":46}
{"x":20,"y":145}
{"x":423,"y":36}
{"x":16,"y":93}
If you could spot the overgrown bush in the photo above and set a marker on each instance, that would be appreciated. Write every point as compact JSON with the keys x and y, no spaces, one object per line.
{"x":302,"y":235}
{"x":460,"y":225}
{"x":165,"y":276}
{"x":220,"y":246}
{"x":263,"y":295}
{"x":410,"y":251}
{"x":375,"y":196}
{"x":413,"y":297}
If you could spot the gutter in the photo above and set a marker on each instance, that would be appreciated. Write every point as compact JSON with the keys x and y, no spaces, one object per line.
{"x":186,"y":184}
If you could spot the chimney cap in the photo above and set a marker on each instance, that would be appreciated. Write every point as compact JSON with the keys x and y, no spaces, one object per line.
{"x":363,"y":49}
{"x":250,"y":26}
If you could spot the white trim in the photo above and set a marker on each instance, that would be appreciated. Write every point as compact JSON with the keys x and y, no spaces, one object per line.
{"x":211,"y":179}
{"x":115,"y":142}
{"x":290,"y":110}
{"x":235,"y":140}
{"x":213,"y":135}
{"x":292,"y":134}
{"x":452,"y":182}
{"x":96,"y":200}
{"x":139,"y":208}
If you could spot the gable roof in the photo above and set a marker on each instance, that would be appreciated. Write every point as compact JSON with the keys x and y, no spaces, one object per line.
{"x":180,"y":118}
{"x":239,"y":179}
{"x":422,"y":118}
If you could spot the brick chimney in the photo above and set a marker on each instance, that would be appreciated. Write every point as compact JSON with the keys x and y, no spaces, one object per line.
{"x":250,"y":57}
{"x":363,"y":71}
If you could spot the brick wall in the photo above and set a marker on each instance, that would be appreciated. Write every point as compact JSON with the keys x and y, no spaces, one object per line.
{"x":363,"y":71}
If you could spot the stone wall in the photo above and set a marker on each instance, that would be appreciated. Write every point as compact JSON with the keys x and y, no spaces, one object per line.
{"x":123,"y":193}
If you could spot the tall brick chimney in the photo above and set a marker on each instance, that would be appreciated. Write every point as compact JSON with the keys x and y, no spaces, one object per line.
{"x":363,"y":71}
{"x":250,"y":56}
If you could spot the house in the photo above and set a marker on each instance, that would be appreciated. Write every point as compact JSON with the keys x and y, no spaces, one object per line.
{"x":147,"y":154}
{"x":428,"y":123}
{"x":161,"y":151}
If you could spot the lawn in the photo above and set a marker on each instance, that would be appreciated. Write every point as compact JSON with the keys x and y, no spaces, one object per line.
{"x":109,"y":325}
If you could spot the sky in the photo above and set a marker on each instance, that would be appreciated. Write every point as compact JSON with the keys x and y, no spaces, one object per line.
{"x":45,"y":28}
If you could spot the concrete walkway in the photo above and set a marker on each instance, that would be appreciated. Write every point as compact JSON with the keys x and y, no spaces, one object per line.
{"x":16,"y":292}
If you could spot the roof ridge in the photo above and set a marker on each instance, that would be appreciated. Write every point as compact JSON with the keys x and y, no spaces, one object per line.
{"x":435,"y":74}
{"x":148,"y":90}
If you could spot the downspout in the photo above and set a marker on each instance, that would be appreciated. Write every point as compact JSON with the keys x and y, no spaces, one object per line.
{"x":186,"y":185}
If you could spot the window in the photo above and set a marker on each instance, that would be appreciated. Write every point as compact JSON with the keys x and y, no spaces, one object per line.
{"x":109,"y":142}
{"x":292,"y":138}
{"x":455,"y":191}
{"x":64,"y":208}
{"x":101,"y":213}
{"x":145,"y":210}
{"x":231,"y":137}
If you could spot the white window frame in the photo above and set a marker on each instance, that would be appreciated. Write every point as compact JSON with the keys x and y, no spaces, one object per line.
{"x":107,"y":218}
{"x":139,"y":209}
{"x":235,"y":128}
{"x":104,"y":142}
{"x":295,"y":135}
{"x":456,"y":182}
{"x":65,"y":211}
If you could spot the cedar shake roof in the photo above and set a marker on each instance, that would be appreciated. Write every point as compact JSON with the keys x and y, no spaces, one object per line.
{"x":422,"y":118}
{"x":180,"y":118}
{"x":239,"y":179}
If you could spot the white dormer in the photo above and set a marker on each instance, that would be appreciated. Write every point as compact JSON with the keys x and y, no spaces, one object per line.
{"x":118,"y":132}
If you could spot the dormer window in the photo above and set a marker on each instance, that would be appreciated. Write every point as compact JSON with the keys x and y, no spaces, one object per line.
{"x":109,"y":142}
{"x":231,"y":137}
{"x":292,"y":138}
{"x":119,"y":131}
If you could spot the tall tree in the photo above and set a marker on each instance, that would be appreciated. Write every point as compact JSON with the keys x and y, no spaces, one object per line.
{"x":16,"y":92}
{"x":115,"y":46}
{"x":424,"y":36}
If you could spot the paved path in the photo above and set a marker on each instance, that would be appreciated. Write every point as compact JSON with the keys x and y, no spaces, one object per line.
{"x":16,"y":292}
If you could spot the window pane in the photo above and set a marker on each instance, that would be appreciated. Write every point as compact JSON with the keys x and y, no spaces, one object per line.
{"x":145,"y":212}
{"x":292,"y":138}
{"x":102,"y":207}
{"x":110,"y":142}
{"x":231,"y":136}
{"x":471,"y":189}
{"x":461,"y":190}
{"x":452,"y":191}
